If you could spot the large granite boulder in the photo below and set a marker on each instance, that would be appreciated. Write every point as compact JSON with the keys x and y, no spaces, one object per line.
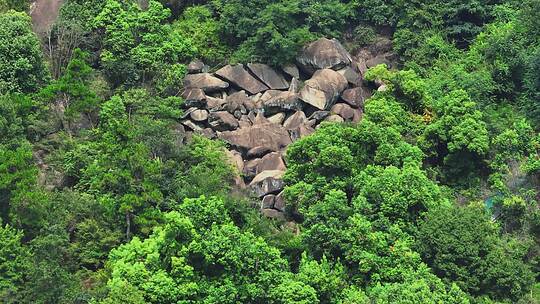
{"x":204,"y":81}
{"x":264,"y":134}
{"x":237,"y":75}
{"x":344,"y":110}
{"x":323,"y":89}
{"x":295,"y":120}
{"x":222,"y":121}
{"x":267,"y":182}
{"x":268,"y":76}
{"x":282,"y":101}
{"x":323,"y":54}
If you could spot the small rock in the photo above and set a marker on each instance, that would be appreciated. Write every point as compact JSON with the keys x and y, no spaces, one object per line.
{"x":199,"y":115}
{"x":194,"y":97}
{"x":343,"y":110}
{"x":222,"y":121}
{"x":268,"y":201}
{"x":195,"y":67}
{"x":355,"y":97}
{"x":318,"y":116}
{"x":267,"y":182}
{"x":334,"y":118}
{"x":273,"y":213}
{"x":291,"y":70}
{"x":279,"y":202}
{"x":277,"y":118}
{"x":352,"y":77}
{"x":295,"y":120}
{"x":190,"y":124}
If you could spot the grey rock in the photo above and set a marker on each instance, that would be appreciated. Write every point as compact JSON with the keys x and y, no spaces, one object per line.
{"x":323,"y":54}
{"x":268,"y":201}
{"x":267,"y":182}
{"x":355,"y":97}
{"x":194,"y":97}
{"x":222,"y":121}
{"x":238,"y":76}
{"x":264,"y":133}
{"x":196,"y":66}
{"x":277,"y":118}
{"x":204,"y":81}
{"x":334,"y":118}
{"x":199,"y":115}
{"x":351,"y":75}
{"x":291,"y":70}
{"x":344,"y":110}
{"x":284,"y":101}
{"x":268,"y":76}
{"x":323,"y":89}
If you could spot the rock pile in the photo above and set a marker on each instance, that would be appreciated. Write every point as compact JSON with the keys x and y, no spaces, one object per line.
{"x":259,"y":110}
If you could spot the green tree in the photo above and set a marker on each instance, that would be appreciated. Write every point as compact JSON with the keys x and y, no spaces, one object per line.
{"x":22,"y":68}
{"x":14,"y":263}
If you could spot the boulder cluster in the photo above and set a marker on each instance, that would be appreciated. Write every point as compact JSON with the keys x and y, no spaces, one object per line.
{"x":259,"y":110}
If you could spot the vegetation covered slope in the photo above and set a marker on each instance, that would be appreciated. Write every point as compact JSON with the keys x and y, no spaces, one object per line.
{"x":432,"y":198}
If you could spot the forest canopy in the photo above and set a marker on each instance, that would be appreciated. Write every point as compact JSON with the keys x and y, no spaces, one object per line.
{"x":131,"y":134}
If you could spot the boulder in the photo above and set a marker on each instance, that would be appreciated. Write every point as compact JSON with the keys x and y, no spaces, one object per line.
{"x":268,"y":76}
{"x":351,"y":75}
{"x":244,"y":122}
{"x":222,"y":121}
{"x":323,"y":54}
{"x":199,"y":115}
{"x":334,"y":118}
{"x":267,"y":182}
{"x":279,"y":202}
{"x":355,"y":97}
{"x":235,"y":159}
{"x":358,"y":114}
{"x":194,"y":97}
{"x":284,"y":101}
{"x":277,"y":118}
{"x":318,"y":116}
{"x":323,"y":89}
{"x":196,"y":66}
{"x":236,"y":100}
{"x":190,"y":124}
{"x":271,"y":161}
{"x":379,"y":59}
{"x":204,"y":81}
{"x":265,"y":134}
{"x":344,"y":110}
{"x":291,"y":70}
{"x":295,"y":120}
{"x":250,"y":168}
{"x":273,"y":214}
{"x":241,"y":78}
{"x":269,"y":95}
{"x":215,"y":104}
{"x":295,"y":85}
{"x":207,"y":132}
{"x":268,"y":201}
{"x":257,"y":152}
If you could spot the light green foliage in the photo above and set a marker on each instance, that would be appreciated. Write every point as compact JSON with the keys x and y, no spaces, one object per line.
{"x":22,"y":68}
{"x":419,"y":286}
{"x":138,"y":44}
{"x":198,"y":23}
{"x":186,"y":261}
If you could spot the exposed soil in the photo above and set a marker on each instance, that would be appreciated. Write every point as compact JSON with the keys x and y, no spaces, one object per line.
{"x":44,"y":13}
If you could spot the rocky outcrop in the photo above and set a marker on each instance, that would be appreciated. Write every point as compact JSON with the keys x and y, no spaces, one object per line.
{"x":258,"y":110}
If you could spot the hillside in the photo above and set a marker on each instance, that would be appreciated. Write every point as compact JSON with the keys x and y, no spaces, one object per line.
{"x":269,"y":151}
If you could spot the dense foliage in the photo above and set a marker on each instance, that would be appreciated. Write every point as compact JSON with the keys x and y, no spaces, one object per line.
{"x":432,"y":198}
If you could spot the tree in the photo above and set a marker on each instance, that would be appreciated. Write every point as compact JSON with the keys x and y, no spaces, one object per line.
{"x":461,"y":246}
{"x":14,"y":263}
{"x":22,"y":68}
